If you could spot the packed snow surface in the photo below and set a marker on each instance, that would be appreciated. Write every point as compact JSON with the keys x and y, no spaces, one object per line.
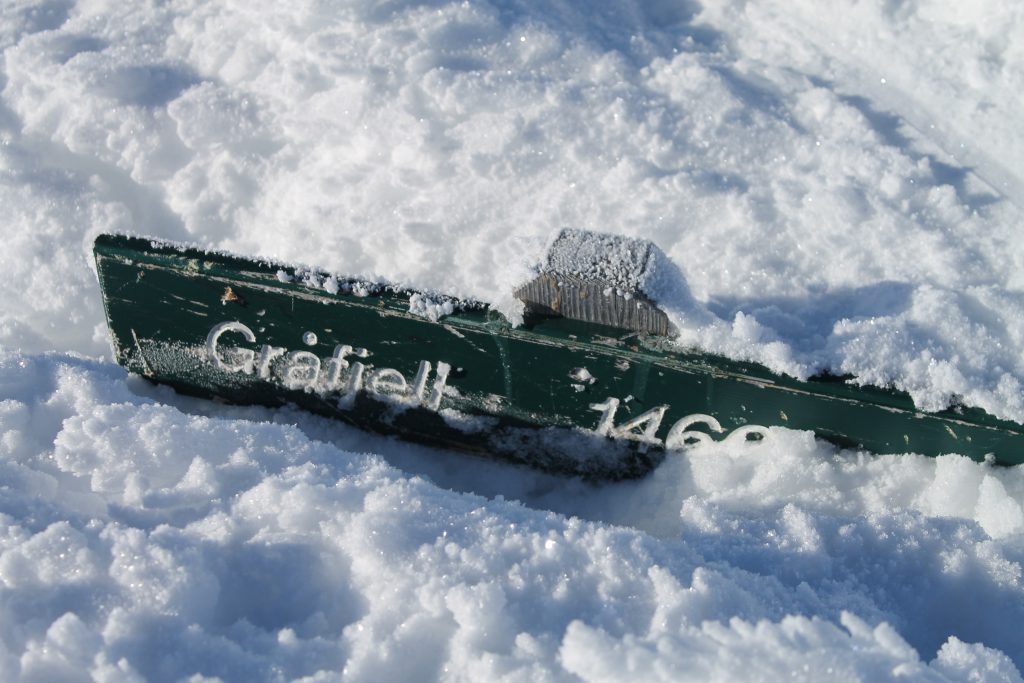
{"x":835,"y":187}
{"x":621,"y":262}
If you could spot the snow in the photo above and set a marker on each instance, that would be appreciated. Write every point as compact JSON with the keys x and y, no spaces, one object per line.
{"x":619,"y":262}
{"x":142,"y":535}
{"x":834,"y":188}
{"x":426,"y":307}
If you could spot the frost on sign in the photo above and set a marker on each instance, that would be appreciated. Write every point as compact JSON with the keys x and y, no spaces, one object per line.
{"x":600,"y":279}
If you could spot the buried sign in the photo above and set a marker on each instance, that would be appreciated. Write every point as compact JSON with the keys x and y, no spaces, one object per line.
{"x":591,"y":384}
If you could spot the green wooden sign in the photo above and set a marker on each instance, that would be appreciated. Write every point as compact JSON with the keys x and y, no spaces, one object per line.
{"x":561,"y":394}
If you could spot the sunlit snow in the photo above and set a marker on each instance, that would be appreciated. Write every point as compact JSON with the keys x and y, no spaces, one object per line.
{"x":833,"y":187}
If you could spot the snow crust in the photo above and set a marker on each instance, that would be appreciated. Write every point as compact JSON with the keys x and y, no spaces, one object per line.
{"x":832,"y":188}
{"x":622,"y":263}
{"x":142,"y":540}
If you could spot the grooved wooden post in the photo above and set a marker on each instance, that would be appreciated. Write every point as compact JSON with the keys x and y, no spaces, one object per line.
{"x":597,"y":278}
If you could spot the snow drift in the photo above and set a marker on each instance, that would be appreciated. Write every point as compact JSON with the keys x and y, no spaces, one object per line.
{"x":840,"y":188}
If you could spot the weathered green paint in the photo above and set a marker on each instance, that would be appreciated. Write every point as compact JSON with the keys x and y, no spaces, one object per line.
{"x":509,"y":393}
